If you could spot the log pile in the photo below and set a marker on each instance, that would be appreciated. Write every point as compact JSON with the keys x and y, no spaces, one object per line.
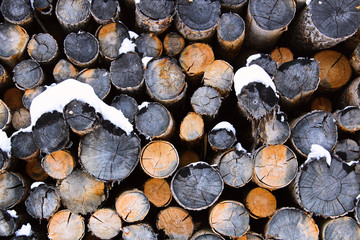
{"x":180,"y":119}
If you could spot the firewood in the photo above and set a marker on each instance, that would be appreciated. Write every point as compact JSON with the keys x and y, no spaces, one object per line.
{"x":5,"y":80}
{"x":264,"y":61}
{"x":274,"y":129}
{"x":192,"y":128}
{"x":30,"y":94}
{"x":35,"y":171}
{"x":82,"y":48}
{"x":137,"y":231}
{"x":5,"y":115}
{"x":5,"y":160}
{"x":149,"y":44}
{"x":206,"y":101}
{"x":348,"y":119}
{"x":132,"y":205}
{"x":222,"y":136}
{"x":13,"y":98}
{"x":197,"y":186}
{"x":154,"y":16}
{"x":8,"y":223}
{"x":219,"y":75}
{"x":105,"y":223}
{"x":355,"y":60}
{"x":28,"y":74}
{"x":348,"y":150}
{"x":251,"y":236}
{"x":98,"y":78}
{"x":351,"y":94}
{"x":357,"y":211}
{"x":66,"y":225}
{"x":81,"y":193}
{"x":173,"y":44}
{"x":343,"y":227}
{"x":59,"y":164}
{"x":21,"y":119}
{"x":187,"y":157}
{"x":229,"y":218}
{"x":44,"y":7}
{"x":176,"y":222}
{"x":73,"y":16}
{"x":17,"y":12}
{"x":233,"y":5}
{"x":159,"y":159}
{"x":321,"y":103}
{"x":64,"y":70}
{"x":276,"y":166}
{"x":291,"y":223}
{"x":43,"y":48}
{"x":197,"y":20}
{"x":281,"y":55}
{"x":23,"y":145}
{"x":105,"y":11}
{"x":335,"y":70}
{"x":158,"y":192}
{"x":13,"y":189}
{"x":127,"y":105}
{"x":260,"y":202}
{"x":206,"y":235}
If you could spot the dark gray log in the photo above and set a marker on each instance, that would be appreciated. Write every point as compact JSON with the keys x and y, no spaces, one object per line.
{"x":193,"y":194}
{"x":340,"y":228}
{"x":351,"y":94}
{"x":206,"y":235}
{"x":73,"y":15}
{"x":105,"y":11}
{"x":328,"y":191}
{"x":197,"y":20}
{"x":140,"y":230}
{"x":348,"y":119}
{"x":28,"y":74}
{"x":82,"y":48}
{"x":42,"y":202}
{"x":109,"y":154}
{"x":149,"y":44}
{"x":274,"y":129}
{"x":64,"y":70}
{"x":98,"y":78}
{"x":264,"y":61}
{"x":355,"y":60}
{"x":222,"y":137}
{"x":173,"y":44}
{"x":233,"y":5}
{"x":4,"y":160}
{"x":127,"y":105}
{"x":5,"y":115}
{"x":43,"y":48}
{"x":5,"y":80}
{"x":30,"y":94}
{"x":127,"y":72}
{"x":17,"y":12}
{"x":206,"y":101}
{"x":316,"y":127}
{"x":45,"y":7}
{"x":51,"y":133}
{"x":8,"y":224}
{"x":357,"y":211}
{"x":348,"y":150}
{"x":13,"y":189}
{"x":292,"y":224}
{"x":23,"y":145}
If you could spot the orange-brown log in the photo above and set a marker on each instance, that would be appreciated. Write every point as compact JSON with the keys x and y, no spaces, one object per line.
{"x":261,"y":203}
{"x":66,"y":225}
{"x":59,"y":164}
{"x":132,"y":205}
{"x":173,"y":44}
{"x":321,"y":103}
{"x":105,"y":223}
{"x":281,"y":55}
{"x":192,"y":128}
{"x":158,"y":192}
{"x":219,"y":75}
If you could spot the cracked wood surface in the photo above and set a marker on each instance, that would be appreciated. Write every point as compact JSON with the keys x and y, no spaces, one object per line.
{"x":73,"y":15}
{"x":43,"y":48}
{"x":149,"y":45}
{"x":281,"y":55}
{"x":348,"y":119}
{"x":340,"y":228}
{"x":173,"y":44}
{"x":64,"y":70}
{"x":127,"y":105}
{"x":138,"y":231}
{"x":158,"y":192}
{"x":59,"y":164}
{"x":13,"y":189}
{"x":192,"y":128}
{"x":23,"y":146}
{"x":206,"y":101}
{"x":219,"y":75}
{"x":28,"y":74}
{"x":105,"y":223}
{"x":260,"y":202}
{"x":66,"y":225}
{"x":274,"y":129}
{"x":132,"y":205}
{"x":98,"y":79}
{"x":105,"y":11}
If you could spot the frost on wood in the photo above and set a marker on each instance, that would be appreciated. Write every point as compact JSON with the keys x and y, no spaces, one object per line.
{"x":127,"y":46}
{"x":225,"y":125}
{"x":25,"y":230}
{"x":5,"y":144}
{"x":318,"y":152}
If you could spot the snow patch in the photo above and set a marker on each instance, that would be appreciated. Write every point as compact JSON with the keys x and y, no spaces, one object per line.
{"x":133,"y":35}
{"x":12,"y":213}
{"x":127,"y":46}
{"x":282,"y":119}
{"x":137,"y":1}
{"x":318,"y":152}
{"x":146,"y":60}
{"x":308,"y":2}
{"x":194,"y":164}
{"x":32,"y":4}
{"x":252,"y":58}
{"x":253,"y":73}
{"x":225,"y":125}
{"x":143,"y":105}
{"x":351,"y":163}
{"x":5,"y":143}
{"x":36,"y":184}
{"x":25,"y":230}
{"x":240,"y":148}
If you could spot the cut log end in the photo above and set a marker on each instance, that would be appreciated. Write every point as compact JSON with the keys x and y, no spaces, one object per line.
{"x":158,"y":192}
{"x":192,"y":128}
{"x":105,"y":223}
{"x":66,"y":225}
{"x":173,"y":44}
{"x":261,"y":203}
{"x":98,"y":79}
{"x":58,"y":164}
{"x":132,"y":205}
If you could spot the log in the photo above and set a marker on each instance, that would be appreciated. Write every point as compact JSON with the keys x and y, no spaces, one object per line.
{"x":8,"y":223}
{"x":348,"y":150}
{"x":42,"y":202}
{"x":132,"y":205}
{"x":351,"y":94}
{"x":44,"y":7}
{"x":251,"y":236}
{"x":260,"y":202}
{"x":154,"y":16}
{"x":340,"y":228}
{"x":108,"y":153}
{"x":281,"y":55}
{"x":165,"y":81}
{"x":127,"y":105}
{"x":222,"y":136}
{"x":66,"y":225}
{"x":316,"y":127}
{"x":355,"y":60}
{"x":35,"y":171}
{"x":13,"y":44}
{"x":59,"y":164}
{"x":266,"y":21}
{"x":21,"y":119}
{"x":206,"y":235}
{"x":219,"y":75}
{"x":159,"y":159}
{"x":233,"y":5}
{"x":335,"y":70}
{"x":30,"y":94}
{"x":158,"y":192}
{"x":23,"y":145}
{"x":149,"y":45}
{"x":291,"y":223}
{"x":43,"y":48}
{"x":5,"y":80}
{"x":81,"y":193}
{"x":5,"y":115}
{"x":17,"y":12}
{"x":105,"y":11}
{"x":327,"y":191}
{"x":154,"y":121}
{"x":229,"y":218}
{"x":13,"y":98}
{"x":81,"y":49}
{"x":105,"y":223}
{"x":5,"y":160}
{"x":28,"y":74}
{"x":274,"y":129}
{"x":321,"y":103}
{"x":197,"y":20}
{"x":98,"y":78}
{"x":13,"y":189}
{"x":64,"y":70}
{"x":187,"y":157}
{"x":323,"y":25}
{"x":73,"y":16}
{"x":51,"y":133}
{"x":176,"y":222}
{"x":263,"y":60}
{"x":348,"y":119}
{"x":196,"y":186}
{"x":275,"y":167}
{"x":296,"y":81}
{"x":192,"y":129}
{"x":127,"y":73}
{"x":137,"y":231}
{"x":357,"y":211}
{"x":173,"y":44}
{"x":206,"y":101}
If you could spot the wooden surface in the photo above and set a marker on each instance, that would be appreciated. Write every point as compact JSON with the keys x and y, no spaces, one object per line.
{"x":206,"y":235}
{"x":127,"y":105}
{"x":28,"y":74}
{"x":98,"y":78}
{"x":260,"y":202}
{"x":73,"y":16}
{"x":265,"y":61}
{"x":140,"y":230}
{"x":24,"y":146}
{"x":192,"y":128}
{"x":149,"y":44}
{"x":13,"y":189}
{"x":221,"y":139}
{"x":105,"y":11}
{"x":274,"y":129}
{"x":5,"y":115}
{"x":340,"y":228}
{"x":64,"y":70}
{"x":173,"y":44}
{"x":66,"y":225}
{"x":17,"y":12}
{"x":348,"y":150}
{"x":219,"y":75}
{"x":132,"y":205}
{"x":348,"y":119}
{"x":206,"y":101}
{"x":321,"y":103}
{"x":355,"y":60}
{"x":351,"y":95}
{"x":105,"y":223}
{"x":158,"y":192}
{"x":281,"y":55}
{"x":43,"y":48}
{"x":8,"y":224}
{"x":58,"y":164}
{"x":35,"y":170}
{"x":30,"y":94}
{"x":13,"y":98}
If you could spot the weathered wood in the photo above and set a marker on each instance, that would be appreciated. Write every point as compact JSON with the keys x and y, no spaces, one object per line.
{"x":348,"y":150}
{"x":108,"y":153}
{"x":8,"y":224}
{"x":219,"y":75}
{"x":5,"y":80}
{"x":154,"y":16}
{"x":98,"y":78}
{"x":66,"y":225}
{"x":149,"y":44}
{"x":266,"y":21}
{"x":355,"y":60}
{"x":64,"y":70}
{"x":13,"y":41}
{"x":348,"y":119}
{"x":81,"y":193}
{"x":51,"y":133}
{"x":176,"y":222}
{"x":173,"y":44}
{"x":43,"y":48}
{"x":340,"y":228}
{"x":281,"y":55}
{"x":291,"y":223}
{"x":316,"y":127}
{"x":13,"y":98}
{"x":105,"y":11}
{"x":260,"y":202}
{"x":159,"y":159}
{"x":127,"y":73}
{"x":274,"y":129}
{"x":5,"y":160}
{"x":28,"y":74}
{"x":5,"y":115}
{"x":321,"y":103}
{"x":196,"y":186}
{"x":23,"y":145}
{"x":154,"y":121}
{"x":21,"y":119}
{"x":276,"y":166}
{"x":296,"y":81}
{"x":187,"y":157}
{"x":206,"y":101}
{"x":222,"y":136}
{"x":73,"y":15}
{"x":206,"y":235}
{"x":192,"y":128}
{"x":263,"y":60}
{"x":42,"y":202}
{"x":105,"y":223}
{"x":233,"y":5}
{"x":30,"y":94}
{"x":17,"y":12}
{"x":59,"y":164}
{"x":335,"y":69}
{"x":197,"y":20}
{"x":158,"y":192}
{"x":229,"y":218}
{"x":132,"y":205}
{"x":251,"y":236}
{"x":44,"y":7}
{"x":324,"y":190}
{"x":137,"y":231}
{"x":13,"y":189}
{"x":127,"y":105}
{"x":351,"y":94}
{"x":357,"y":211}
{"x":35,"y":170}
